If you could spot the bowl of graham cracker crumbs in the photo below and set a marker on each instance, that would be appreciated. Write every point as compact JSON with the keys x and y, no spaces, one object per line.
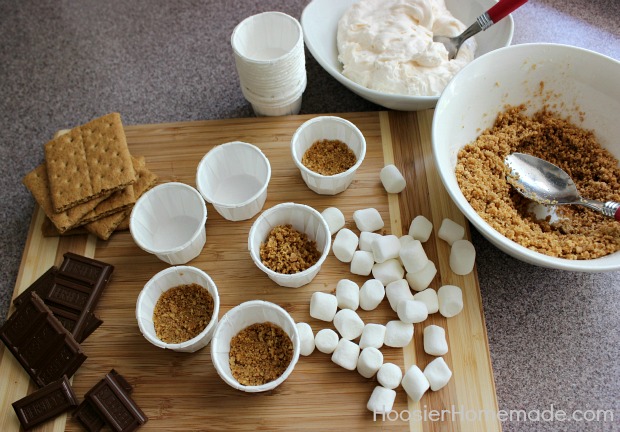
{"x":556,"y":102}
{"x":178,"y":309}
{"x":255,"y":347}
{"x":328,"y":150}
{"x":289,"y":242}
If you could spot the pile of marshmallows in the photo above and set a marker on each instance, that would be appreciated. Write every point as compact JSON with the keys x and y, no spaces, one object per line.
{"x":397,"y":266}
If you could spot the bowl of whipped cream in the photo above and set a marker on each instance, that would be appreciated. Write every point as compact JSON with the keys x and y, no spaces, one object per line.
{"x":383,"y":50}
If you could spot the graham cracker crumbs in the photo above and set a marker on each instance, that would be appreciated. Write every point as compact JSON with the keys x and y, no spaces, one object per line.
{"x":288,"y":251}
{"x":329,"y":157}
{"x":182,"y":312}
{"x":579,"y":233}
{"x":260,"y":354}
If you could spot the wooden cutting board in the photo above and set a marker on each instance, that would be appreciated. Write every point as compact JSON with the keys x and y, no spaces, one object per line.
{"x":180,"y":391}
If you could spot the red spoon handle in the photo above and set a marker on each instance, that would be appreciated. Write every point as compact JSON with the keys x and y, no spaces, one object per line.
{"x":617,"y":215}
{"x":503,"y":8}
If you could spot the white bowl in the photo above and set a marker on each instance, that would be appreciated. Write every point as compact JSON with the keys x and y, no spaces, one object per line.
{"x":304,"y":219}
{"x":169,"y":222}
{"x":159,"y":284}
{"x":320,"y":24}
{"x":240,"y":317}
{"x":331,"y":128}
{"x":575,"y":79}
{"x":234,"y":177}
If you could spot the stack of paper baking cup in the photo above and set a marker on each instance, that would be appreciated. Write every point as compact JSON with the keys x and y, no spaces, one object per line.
{"x":269,"y":55}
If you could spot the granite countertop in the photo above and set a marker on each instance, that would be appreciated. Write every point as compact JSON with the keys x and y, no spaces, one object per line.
{"x":553,"y":335}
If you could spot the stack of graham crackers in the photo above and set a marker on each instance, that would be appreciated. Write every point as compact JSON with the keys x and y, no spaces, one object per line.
{"x":89,"y":179}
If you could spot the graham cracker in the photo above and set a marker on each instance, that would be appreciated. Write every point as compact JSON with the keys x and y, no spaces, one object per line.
{"x":48,"y":229}
{"x":37,"y":183}
{"x":87,"y":162}
{"x":118,"y":201}
{"x":103,"y":228}
{"x":124,"y":225}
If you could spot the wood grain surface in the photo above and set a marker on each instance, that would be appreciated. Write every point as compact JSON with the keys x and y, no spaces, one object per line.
{"x":181,"y":391}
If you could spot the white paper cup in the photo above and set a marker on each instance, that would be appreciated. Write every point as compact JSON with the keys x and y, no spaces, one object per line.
{"x":285,"y":96}
{"x":277,"y":83}
{"x":331,"y":128}
{"x":304,"y":219}
{"x":270,"y":61}
{"x":290,"y":108}
{"x":240,"y":317}
{"x":169,"y":222}
{"x":267,"y":38}
{"x":159,"y":284}
{"x":234,"y":178}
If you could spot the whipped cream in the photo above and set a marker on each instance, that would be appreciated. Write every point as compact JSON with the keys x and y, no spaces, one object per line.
{"x":387,"y":45}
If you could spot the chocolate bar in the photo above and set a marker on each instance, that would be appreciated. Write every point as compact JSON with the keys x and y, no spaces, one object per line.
{"x":44,"y":348}
{"x":45,"y":403}
{"x":68,"y":319}
{"x":41,"y":286}
{"x":84,"y":270}
{"x":72,"y":292}
{"x":77,"y":288}
{"x":89,"y":416}
{"x":114,"y":405}
{"x":121,"y":381}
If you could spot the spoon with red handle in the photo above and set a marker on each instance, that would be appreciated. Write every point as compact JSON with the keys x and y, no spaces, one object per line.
{"x":483,"y":22}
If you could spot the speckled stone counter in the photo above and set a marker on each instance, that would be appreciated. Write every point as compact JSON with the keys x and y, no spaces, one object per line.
{"x":553,"y":335}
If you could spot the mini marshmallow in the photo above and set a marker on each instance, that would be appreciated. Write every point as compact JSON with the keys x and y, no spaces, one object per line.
{"x":385,"y":247}
{"x":323,"y":306}
{"x":372,"y":336}
{"x":413,"y":256}
{"x":462,"y":257}
{"x":362,"y":263}
{"x":381,"y":400}
{"x":345,"y":244}
{"x":326,"y":341}
{"x":348,"y":323}
{"x":398,"y":334}
{"x":348,"y":294}
{"x":368,"y":219}
{"x":429,"y":298}
{"x":334,"y":219}
{"x":366,"y":239}
{"x":412,"y":311}
{"x":369,"y":362}
{"x":396,"y":292}
{"x":306,"y":338}
{"x":415,"y":383}
{"x":393,"y":181}
{"x":450,"y":299}
{"x":346,"y":353}
{"x":437,"y":373}
{"x":420,"y":280}
{"x":450,"y":231}
{"x":435,"y":342}
{"x":388,"y":271}
{"x":389,"y":375}
{"x":405,"y":240}
{"x":421,"y":228}
{"x":371,"y":294}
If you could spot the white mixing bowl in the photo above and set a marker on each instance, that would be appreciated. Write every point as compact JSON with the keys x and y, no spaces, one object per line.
{"x":582,"y":84}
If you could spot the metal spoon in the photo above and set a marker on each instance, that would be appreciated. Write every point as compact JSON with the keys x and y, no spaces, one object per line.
{"x":548,"y":184}
{"x":483,"y":22}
